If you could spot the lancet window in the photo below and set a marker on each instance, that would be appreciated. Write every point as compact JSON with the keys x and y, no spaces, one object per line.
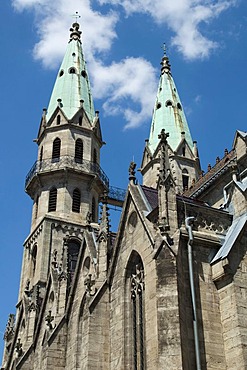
{"x":56,"y":150}
{"x":52,"y":205}
{"x":136,"y":291}
{"x":78,"y":151}
{"x":76,"y":201}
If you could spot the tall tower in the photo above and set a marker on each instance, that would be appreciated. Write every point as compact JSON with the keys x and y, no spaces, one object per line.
{"x":168,"y":115}
{"x":65,"y":184}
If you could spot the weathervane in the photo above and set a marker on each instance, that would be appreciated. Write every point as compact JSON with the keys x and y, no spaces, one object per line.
{"x":76,"y":16}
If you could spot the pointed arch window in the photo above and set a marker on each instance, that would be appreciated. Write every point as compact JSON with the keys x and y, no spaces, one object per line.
{"x":72,"y":70}
{"x":80,"y":121}
{"x":185,"y":179}
{"x":136,"y":290}
{"x":76,"y":201}
{"x":78,"y":151}
{"x":36,"y":207}
{"x":56,"y":150}
{"x":34,"y":257}
{"x":58,"y":119}
{"x":95,"y":157}
{"x":93,"y":210}
{"x":52,"y":205}
{"x":73,"y":248}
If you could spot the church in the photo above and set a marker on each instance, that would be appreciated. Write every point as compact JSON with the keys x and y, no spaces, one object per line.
{"x":169,"y":289}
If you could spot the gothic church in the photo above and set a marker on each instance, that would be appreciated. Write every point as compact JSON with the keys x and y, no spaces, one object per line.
{"x":169,"y":289}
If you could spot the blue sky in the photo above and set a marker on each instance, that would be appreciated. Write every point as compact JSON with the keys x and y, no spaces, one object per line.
{"x":207,"y":46}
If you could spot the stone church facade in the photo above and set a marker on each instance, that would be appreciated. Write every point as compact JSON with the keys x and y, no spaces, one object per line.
{"x":169,"y":289}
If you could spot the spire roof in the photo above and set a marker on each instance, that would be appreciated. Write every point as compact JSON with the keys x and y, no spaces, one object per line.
{"x":168,"y":112}
{"x":72,"y":87}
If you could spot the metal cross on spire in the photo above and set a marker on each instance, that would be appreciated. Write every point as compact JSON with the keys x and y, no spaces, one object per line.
{"x":164,"y":47}
{"x":76,"y":16}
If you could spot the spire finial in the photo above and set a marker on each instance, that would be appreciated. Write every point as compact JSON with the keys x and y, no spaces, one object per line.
{"x":75,"y":33}
{"x":76,"y":16}
{"x":165,"y":64}
{"x":164,"y":48}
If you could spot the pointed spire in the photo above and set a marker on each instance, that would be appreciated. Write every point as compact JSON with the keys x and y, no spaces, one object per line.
{"x":72,"y":84}
{"x":168,"y":112}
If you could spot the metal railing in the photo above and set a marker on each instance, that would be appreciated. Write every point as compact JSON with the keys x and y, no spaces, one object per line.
{"x":116,"y":194}
{"x":66,"y":161}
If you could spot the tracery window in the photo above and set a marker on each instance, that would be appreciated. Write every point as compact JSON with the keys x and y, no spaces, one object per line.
{"x":73,"y":249}
{"x":137,"y":297}
{"x":136,"y":324}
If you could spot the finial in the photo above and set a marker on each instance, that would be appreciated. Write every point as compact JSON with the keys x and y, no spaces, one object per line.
{"x":132,"y":177}
{"x":164,"y":48}
{"x":165,"y":64}
{"x":75,"y":33}
{"x":76,"y":16}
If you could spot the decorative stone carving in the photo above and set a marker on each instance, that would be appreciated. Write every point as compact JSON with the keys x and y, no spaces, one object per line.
{"x":49,"y":319}
{"x":10,"y":328}
{"x":137,"y":282}
{"x":90,"y":285}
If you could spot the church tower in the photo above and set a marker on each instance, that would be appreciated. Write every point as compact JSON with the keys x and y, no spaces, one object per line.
{"x":65,"y":184}
{"x":168,"y":114}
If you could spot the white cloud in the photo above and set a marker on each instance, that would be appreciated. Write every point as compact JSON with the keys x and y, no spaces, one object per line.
{"x":132,"y":78}
{"x":125,"y":84}
{"x":183,"y":17}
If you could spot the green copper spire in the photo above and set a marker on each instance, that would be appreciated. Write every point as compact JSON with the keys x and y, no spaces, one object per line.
{"x":72,"y":88}
{"x":168,"y":112}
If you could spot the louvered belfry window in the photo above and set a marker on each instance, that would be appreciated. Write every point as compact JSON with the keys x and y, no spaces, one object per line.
{"x":78,"y":151}
{"x":76,"y":201}
{"x":52,"y":200}
{"x":56,"y":150}
{"x":93,"y":210}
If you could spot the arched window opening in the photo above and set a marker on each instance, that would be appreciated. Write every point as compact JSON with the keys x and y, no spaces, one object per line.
{"x":93,"y":210}
{"x":73,"y":248}
{"x":58,"y":119}
{"x":158,"y":105}
{"x":76,"y":201}
{"x":78,"y":151}
{"x":61,"y":73}
{"x":80,"y":121}
{"x":136,"y":290}
{"x":168,"y":103}
{"x":179,"y":106}
{"x":41,"y":154}
{"x":56,"y":150}
{"x":52,"y":206}
{"x":36,"y":207}
{"x":95,"y":157}
{"x":34,"y":257}
{"x":72,"y":70}
{"x":84,"y":74}
{"x":183,"y":151}
{"x":185,"y":179}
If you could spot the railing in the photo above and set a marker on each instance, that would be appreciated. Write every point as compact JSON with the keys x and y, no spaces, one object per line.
{"x":116,"y":194}
{"x":66,"y":161}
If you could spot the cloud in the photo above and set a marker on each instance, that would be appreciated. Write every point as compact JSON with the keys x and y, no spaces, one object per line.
{"x":124,"y":86}
{"x":184,"y":18}
{"x":132,"y":79}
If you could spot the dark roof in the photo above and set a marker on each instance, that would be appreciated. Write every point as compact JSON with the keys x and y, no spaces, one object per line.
{"x":212,"y":174}
{"x":152,"y":196}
